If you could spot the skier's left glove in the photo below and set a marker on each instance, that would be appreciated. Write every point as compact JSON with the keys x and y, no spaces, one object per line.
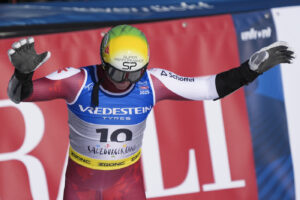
{"x":270,"y":56}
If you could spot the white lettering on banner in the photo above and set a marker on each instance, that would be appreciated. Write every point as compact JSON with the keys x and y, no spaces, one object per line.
{"x":218,"y":149}
{"x":34,"y":130}
{"x":152,"y":167}
{"x":254,"y":34}
{"x":182,"y":6}
{"x":218,"y":152}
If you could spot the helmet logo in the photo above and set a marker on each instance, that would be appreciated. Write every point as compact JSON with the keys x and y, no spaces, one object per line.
{"x":129,"y":65}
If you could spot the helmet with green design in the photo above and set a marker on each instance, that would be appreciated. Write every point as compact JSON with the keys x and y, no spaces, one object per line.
{"x":124,"y":53}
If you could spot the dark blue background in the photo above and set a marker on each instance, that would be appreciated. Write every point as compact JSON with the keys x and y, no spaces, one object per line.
{"x":267,"y":115}
{"x":132,"y":10}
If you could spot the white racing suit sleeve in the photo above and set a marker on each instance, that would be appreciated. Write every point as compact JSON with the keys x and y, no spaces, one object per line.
{"x":168,"y":85}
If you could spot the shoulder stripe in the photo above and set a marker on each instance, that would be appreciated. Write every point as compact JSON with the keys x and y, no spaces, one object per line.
{"x":63,"y":73}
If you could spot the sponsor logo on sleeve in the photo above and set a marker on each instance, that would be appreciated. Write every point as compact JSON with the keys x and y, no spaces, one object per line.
{"x":176,"y":77}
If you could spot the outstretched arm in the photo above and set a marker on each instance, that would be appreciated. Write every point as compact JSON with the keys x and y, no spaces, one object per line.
{"x":260,"y":62}
{"x":168,"y":85}
{"x":64,"y":84}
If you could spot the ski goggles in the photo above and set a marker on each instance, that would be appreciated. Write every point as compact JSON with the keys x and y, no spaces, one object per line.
{"x":120,"y":76}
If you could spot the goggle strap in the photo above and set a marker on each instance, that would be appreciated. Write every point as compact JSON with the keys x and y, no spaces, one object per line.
{"x":95,"y":94}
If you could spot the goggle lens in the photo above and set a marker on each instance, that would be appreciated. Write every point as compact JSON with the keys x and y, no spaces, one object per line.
{"x":135,"y":76}
{"x":116,"y":75}
{"x":120,"y":76}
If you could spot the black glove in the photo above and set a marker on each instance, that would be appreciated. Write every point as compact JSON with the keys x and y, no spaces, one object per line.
{"x":24,"y":57}
{"x":270,"y":56}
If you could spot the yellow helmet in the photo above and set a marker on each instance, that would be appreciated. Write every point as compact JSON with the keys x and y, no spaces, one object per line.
{"x":125,"y":52}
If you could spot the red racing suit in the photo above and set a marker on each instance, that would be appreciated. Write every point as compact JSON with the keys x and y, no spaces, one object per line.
{"x":84,"y":180}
